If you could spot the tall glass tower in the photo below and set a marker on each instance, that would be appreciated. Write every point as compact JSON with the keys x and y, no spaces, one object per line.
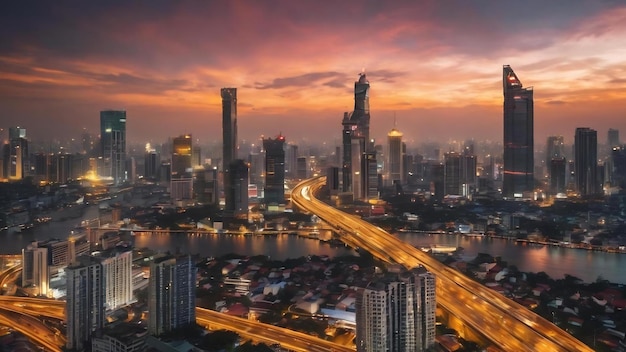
{"x":113,"y":144}
{"x":274,"y":170}
{"x":586,"y":161}
{"x":356,"y":141}
{"x":518,"y":136}
{"x":229,"y":125}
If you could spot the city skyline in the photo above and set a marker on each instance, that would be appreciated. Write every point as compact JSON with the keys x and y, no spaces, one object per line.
{"x":294,"y":65}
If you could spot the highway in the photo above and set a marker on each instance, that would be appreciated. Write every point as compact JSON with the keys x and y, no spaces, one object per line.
{"x":507,"y":324}
{"x":269,"y":334}
{"x":27,"y":308}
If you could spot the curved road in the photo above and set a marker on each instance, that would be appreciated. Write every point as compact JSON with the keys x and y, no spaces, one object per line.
{"x":25,"y":309}
{"x":509,"y":325}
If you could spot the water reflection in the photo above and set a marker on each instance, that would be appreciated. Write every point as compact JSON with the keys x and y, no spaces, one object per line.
{"x":555,"y":261}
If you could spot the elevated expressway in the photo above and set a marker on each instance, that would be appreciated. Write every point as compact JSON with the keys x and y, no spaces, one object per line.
{"x":20,"y":313}
{"x":507,"y":324}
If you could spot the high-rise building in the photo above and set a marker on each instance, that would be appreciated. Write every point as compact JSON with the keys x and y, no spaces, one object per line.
{"x":181,"y":155}
{"x":229,"y":126}
{"x":518,"y":136}
{"x":152,"y":163}
{"x":557,"y":175}
{"x":291,"y":156}
{"x":171,"y":293}
{"x":371,"y":186}
{"x":84,"y":307}
{"x":397,"y":313}
{"x":113,"y":144}
{"x":35,"y":269}
{"x":395,"y":157}
{"x":355,"y":138}
{"x":237,"y":189}
{"x":452,"y":174}
{"x":205,"y":185}
{"x":613,"y":138}
{"x":15,"y":155}
{"x":555,"y":148}
{"x":274,"y":170}
{"x":586,"y":161}
{"x":117,"y":276}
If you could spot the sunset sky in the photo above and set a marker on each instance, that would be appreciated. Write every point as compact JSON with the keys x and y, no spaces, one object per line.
{"x":434,"y":65}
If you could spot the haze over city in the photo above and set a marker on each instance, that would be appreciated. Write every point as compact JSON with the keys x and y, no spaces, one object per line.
{"x":434,"y":65}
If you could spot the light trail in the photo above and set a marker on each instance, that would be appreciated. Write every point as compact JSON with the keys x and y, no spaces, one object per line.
{"x":509,"y":325}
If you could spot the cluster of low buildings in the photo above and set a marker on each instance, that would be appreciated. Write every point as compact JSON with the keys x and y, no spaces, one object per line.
{"x":348,"y":296}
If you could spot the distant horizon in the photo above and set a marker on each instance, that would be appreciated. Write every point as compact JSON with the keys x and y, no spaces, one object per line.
{"x":434,"y":67}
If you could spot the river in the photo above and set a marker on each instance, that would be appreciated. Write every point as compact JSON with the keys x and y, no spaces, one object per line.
{"x":555,"y":261}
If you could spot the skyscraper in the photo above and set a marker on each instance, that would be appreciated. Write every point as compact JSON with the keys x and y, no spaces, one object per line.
{"x":85,"y":301}
{"x":181,"y":155}
{"x":236,"y":189}
{"x":557,"y":175}
{"x":15,"y":154}
{"x":113,"y":144}
{"x":397,"y":313}
{"x":518,"y":136}
{"x":613,"y":138}
{"x":555,"y":148}
{"x":586,"y":161}
{"x":274,"y":170}
{"x":355,"y":137}
{"x":171,"y":293}
{"x":452,"y":174}
{"x":395,"y":157}
{"x":229,"y":125}
{"x":229,"y":139}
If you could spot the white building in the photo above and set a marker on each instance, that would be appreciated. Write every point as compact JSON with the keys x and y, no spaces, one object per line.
{"x":397,"y":313}
{"x":117,"y":272}
{"x":35,"y":272}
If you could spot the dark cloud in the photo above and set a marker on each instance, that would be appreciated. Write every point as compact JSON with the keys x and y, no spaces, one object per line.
{"x":556,"y":102}
{"x":303,"y":80}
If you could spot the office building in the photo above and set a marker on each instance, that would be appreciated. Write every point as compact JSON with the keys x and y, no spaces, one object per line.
{"x":395,"y":157}
{"x":452,"y":174}
{"x":555,"y":148}
{"x":152,"y":163}
{"x":397,"y":313}
{"x":229,"y":125}
{"x":355,"y":139}
{"x":274,"y":170}
{"x":181,"y":156}
{"x":518,"y":136}
{"x":35,"y":274}
{"x":372,"y":184}
{"x":302,"y":167}
{"x":291,"y":156}
{"x":84,"y":307}
{"x":613,"y":138}
{"x":237,"y":189}
{"x":15,"y":155}
{"x":205,"y":185}
{"x":557,"y":175}
{"x":113,"y":145}
{"x":171,"y":294}
{"x":586,"y":161}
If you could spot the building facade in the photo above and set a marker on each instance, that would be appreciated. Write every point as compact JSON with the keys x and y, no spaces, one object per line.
{"x":397,"y":313}
{"x":171,"y":293}
{"x":586,"y":161}
{"x":518,"y":174}
{"x":355,"y":139}
{"x":84,"y":307}
{"x":35,"y":271}
{"x":113,"y":145}
{"x":274,"y":170}
{"x":395,"y":157}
